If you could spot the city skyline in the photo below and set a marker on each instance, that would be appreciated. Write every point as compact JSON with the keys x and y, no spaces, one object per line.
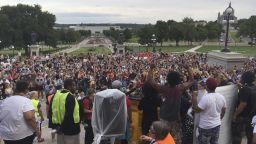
{"x":136,"y":11}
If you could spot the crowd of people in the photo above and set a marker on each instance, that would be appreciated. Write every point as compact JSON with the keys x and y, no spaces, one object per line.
{"x":182,"y":85}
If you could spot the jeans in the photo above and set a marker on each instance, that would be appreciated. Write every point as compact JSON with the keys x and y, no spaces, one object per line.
{"x":88,"y":138}
{"x":209,"y":136}
{"x":240,"y":127}
{"x":26,"y":140}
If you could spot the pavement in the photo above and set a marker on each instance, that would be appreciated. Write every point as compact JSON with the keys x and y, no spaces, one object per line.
{"x":105,"y":42}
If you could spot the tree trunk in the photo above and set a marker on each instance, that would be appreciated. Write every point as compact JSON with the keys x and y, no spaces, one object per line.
{"x":251,"y":41}
{"x":177,"y":43}
{"x":27,"y":51}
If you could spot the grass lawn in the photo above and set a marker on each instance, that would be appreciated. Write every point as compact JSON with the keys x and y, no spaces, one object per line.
{"x":42,"y":51}
{"x":99,"y":50}
{"x":246,"y":50}
{"x":52,"y":50}
{"x":134,"y":39}
{"x":163,"y":49}
{"x":11,"y":52}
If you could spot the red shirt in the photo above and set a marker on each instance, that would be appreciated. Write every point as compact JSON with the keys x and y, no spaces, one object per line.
{"x":87,"y":104}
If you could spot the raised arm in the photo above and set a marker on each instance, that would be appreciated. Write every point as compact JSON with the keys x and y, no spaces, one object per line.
{"x":150,"y":78}
{"x":188,"y":84}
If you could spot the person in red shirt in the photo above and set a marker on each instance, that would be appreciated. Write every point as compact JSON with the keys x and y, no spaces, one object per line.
{"x":87,"y":105}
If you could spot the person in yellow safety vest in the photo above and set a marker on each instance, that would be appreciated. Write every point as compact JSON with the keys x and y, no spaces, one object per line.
{"x":64,"y":113}
{"x":38,"y":112}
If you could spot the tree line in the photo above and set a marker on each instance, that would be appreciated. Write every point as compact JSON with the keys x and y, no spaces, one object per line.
{"x":17,"y":23}
{"x":188,"y":30}
{"x":247,"y":28}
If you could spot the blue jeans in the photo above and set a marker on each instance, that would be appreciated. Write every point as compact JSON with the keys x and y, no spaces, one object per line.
{"x":209,"y":136}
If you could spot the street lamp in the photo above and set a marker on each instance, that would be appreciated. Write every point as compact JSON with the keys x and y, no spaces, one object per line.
{"x":154,"y":42}
{"x":228,"y":12}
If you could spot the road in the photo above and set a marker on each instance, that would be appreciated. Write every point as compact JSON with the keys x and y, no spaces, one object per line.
{"x":93,"y":41}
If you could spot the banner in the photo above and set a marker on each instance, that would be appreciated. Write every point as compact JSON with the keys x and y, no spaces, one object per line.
{"x":230,"y":94}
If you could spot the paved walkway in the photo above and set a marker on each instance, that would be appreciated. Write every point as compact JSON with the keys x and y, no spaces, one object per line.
{"x":193,"y":50}
{"x":86,"y":44}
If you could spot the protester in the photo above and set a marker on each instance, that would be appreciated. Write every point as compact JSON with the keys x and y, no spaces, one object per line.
{"x":171,"y":95}
{"x":38,"y":113}
{"x":148,"y":104}
{"x":212,"y":108}
{"x":17,"y":117}
{"x":49,"y":96}
{"x":64,"y":110}
{"x":245,"y":109}
{"x":87,"y":108}
{"x":159,"y":134}
{"x":98,"y":72}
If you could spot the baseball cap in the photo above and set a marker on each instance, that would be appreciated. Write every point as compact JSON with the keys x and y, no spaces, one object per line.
{"x":211,"y":83}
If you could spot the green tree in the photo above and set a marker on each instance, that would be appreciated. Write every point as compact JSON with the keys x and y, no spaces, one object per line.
{"x":176,"y":31}
{"x":201,"y":33}
{"x":21,"y":21}
{"x":170,"y":24}
{"x":161,"y":28}
{"x":85,"y":33}
{"x":145,"y":34}
{"x":213,"y":30}
{"x":127,"y":34}
{"x":189,"y":29}
{"x":247,"y":28}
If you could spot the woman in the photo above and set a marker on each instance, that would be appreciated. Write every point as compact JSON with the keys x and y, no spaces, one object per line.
{"x":148,"y":104}
{"x":159,"y":134}
{"x":17,"y":119}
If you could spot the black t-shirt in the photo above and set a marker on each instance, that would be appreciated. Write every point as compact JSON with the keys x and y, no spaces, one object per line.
{"x":68,"y":126}
{"x":245,"y":95}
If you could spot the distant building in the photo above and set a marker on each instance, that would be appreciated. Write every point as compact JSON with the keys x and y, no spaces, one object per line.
{"x":223,"y":18}
{"x":94,"y":29}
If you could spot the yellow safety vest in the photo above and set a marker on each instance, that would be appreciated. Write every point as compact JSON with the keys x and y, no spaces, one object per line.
{"x":58,"y":108}
{"x":35,"y":104}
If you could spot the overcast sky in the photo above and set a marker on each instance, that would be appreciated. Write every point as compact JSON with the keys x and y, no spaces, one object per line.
{"x":137,"y":11}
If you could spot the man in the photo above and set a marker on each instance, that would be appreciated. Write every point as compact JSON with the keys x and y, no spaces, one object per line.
{"x":245,"y":109}
{"x":212,"y":108}
{"x":17,"y":117}
{"x":171,"y":95}
{"x":64,"y":113}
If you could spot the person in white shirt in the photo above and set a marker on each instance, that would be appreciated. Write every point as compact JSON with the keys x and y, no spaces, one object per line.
{"x":17,"y":118}
{"x":212,"y":108}
{"x":254,"y":130}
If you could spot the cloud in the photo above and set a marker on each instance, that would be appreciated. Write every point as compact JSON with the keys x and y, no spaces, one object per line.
{"x":137,"y":11}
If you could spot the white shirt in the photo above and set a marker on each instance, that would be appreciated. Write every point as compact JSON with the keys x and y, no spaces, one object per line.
{"x":254,"y":124}
{"x":12,"y":123}
{"x":211,"y":104}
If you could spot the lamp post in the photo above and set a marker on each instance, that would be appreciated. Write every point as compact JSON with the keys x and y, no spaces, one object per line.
{"x":154,"y":42}
{"x":228,"y":12}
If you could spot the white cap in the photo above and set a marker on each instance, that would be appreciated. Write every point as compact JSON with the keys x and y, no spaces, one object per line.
{"x":116,"y":84}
